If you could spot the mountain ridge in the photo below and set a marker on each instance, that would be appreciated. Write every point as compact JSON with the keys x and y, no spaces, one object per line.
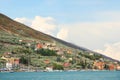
{"x":82,"y":48}
{"x":13,"y":27}
{"x":18,"y":28}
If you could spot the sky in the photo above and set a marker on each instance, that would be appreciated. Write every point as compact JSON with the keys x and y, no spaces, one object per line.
{"x":93,"y":24}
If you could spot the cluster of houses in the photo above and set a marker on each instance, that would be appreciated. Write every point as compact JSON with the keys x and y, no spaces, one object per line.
{"x":11,"y":62}
{"x":48,"y":45}
{"x":100,"y":65}
{"x":52,"y":46}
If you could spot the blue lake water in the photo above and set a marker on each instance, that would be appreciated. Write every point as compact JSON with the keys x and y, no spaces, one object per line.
{"x":79,"y":75}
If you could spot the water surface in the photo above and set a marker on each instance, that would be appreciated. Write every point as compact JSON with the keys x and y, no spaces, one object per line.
{"x":79,"y":75}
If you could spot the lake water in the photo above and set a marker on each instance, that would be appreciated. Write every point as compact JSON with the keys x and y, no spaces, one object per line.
{"x":79,"y":75}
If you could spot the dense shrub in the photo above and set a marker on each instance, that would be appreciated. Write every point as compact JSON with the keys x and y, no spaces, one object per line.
{"x":46,"y":52}
{"x":57,"y":67}
{"x":23,"y":60}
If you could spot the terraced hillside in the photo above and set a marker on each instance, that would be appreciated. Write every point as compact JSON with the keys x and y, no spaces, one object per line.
{"x":38,"y":50}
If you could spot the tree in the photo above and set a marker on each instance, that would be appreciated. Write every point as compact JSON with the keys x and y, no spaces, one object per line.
{"x":57,"y":67}
{"x":2,"y":63}
{"x":20,"y":50}
{"x":23,"y":60}
{"x":106,"y":67}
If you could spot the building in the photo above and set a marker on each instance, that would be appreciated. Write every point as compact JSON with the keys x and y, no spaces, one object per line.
{"x":66,"y":64}
{"x":112,"y":67}
{"x":11,"y":62}
{"x":118,"y":67}
{"x":16,"y":61}
{"x":39,"y":46}
{"x":49,"y":69}
{"x":9,"y":66}
{"x":99,"y":65}
{"x":60,"y":52}
{"x":46,"y":61}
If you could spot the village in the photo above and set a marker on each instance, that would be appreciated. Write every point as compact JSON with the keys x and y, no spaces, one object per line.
{"x":13,"y":63}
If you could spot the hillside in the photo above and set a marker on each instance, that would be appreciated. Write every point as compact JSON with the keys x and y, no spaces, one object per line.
{"x":13,"y":27}
{"x":39,"y":51}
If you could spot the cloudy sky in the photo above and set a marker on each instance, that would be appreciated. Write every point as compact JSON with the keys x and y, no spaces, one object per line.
{"x":93,"y":24}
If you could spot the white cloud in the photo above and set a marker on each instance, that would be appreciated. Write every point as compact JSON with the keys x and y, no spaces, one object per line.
{"x":62,"y":34}
{"x":23,"y":20}
{"x":44,"y":24}
{"x":93,"y":35}
{"x":111,"y":50}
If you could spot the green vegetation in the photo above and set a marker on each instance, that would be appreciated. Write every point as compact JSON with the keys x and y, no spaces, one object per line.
{"x":57,"y":67}
{"x":12,"y":27}
{"x":29,"y":56}
{"x":24,"y":60}
{"x":46,"y":52}
{"x":11,"y":34}
{"x":91,"y":57}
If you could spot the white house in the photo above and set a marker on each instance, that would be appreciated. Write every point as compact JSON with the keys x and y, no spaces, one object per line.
{"x":49,"y":69}
{"x":9,"y":66}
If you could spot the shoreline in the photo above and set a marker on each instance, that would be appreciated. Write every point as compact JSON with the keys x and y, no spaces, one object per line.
{"x":60,"y":71}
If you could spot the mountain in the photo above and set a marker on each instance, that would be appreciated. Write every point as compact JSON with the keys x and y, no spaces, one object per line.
{"x":12,"y":33}
{"x":81,"y":48}
{"x":10,"y":26}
